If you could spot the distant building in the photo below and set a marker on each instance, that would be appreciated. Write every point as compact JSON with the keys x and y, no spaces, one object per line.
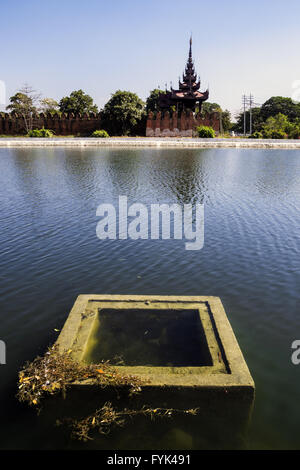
{"x":175,"y":116}
{"x":188,"y":94}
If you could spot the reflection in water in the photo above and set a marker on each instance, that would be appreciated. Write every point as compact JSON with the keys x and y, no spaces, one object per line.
{"x":181,"y":176}
{"x":50,"y":254}
{"x":221,"y":422}
{"x":149,"y":338}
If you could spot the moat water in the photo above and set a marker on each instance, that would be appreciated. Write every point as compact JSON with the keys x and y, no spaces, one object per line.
{"x":251,"y":259}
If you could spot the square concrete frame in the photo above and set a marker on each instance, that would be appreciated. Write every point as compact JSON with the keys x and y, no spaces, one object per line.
{"x":228,"y":372}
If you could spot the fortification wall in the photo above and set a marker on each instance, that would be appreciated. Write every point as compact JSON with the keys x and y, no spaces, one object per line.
{"x":12,"y":124}
{"x":173,"y":125}
{"x":161,"y":125}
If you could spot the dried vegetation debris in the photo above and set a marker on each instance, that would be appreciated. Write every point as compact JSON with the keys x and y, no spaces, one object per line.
{"x":55,"y":372}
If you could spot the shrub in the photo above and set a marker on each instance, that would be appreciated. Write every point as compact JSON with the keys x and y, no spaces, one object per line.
{"x":267,"y":134}
{"x":278,"y":134}
{"x":276,"y":127}
{"x":294,"y":133}
{"x":40,"y":133}
{"x":205,"y":131}
{"x":256,"y":135}
{"x":100,"y":134}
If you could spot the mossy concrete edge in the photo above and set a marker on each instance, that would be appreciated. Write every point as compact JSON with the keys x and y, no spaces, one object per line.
{"x":81,"y":318}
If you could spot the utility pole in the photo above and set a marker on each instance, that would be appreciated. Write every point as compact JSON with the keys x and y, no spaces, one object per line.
{"x":244,"y":104}
{"x":251,"y":102}
{"x":248,"y":102}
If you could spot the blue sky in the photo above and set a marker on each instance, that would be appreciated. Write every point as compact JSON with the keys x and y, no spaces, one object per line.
{"x":100,"y":46}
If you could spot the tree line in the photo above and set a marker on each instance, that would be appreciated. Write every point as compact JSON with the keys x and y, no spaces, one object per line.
{"x":277,"y":118}
{"x":125,"y":113}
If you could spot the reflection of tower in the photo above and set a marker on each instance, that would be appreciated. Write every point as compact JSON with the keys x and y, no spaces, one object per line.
{"x":180,"y":176}
{"x":123,"y":172}
{"x":188,"y":184}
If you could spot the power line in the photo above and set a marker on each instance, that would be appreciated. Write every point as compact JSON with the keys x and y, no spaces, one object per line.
{"x":248,"y":104}
{"x":244,"y":98}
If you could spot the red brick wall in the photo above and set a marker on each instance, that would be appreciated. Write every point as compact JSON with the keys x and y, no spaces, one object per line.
{"x":184,"y":125}
{"x":160,"y":125}
{"x":61,"y":125}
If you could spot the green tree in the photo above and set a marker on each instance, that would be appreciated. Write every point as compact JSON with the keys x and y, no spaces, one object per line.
{"x":280,"y":104}
{"x":294,"y":131}
{"x":225,"y":116}
{"x":226,"y":120}
{"x":49,"y":105}
{"x":276,"y":125}
{"x":77,"y":103}
{"x":25,"y":103}
{"x":208,"y":108}
{"x":152,"y":102}
{"x":123,"y":113}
